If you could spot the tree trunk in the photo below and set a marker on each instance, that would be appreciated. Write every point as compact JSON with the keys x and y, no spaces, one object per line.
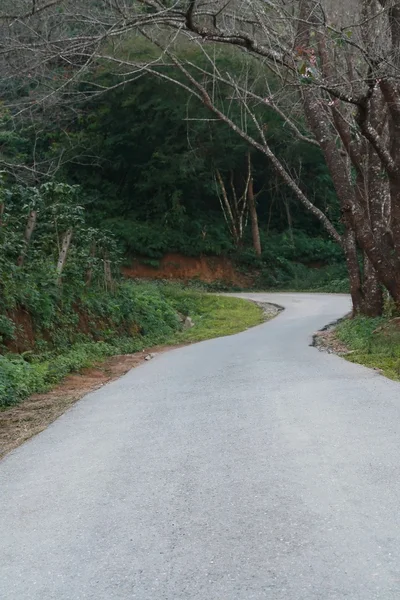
{"x":355,"y":213}
{"x":366,"y":294}
{"x":372,"y":291}
{"x":388,"y":275}
{"x":227,"y":210}
{"x":108,"y":274}
{"x":28,"y":234}
{"x":289,"y":220}
{"x":89,"y":272}
{"x":255,"y":230}
{"x":353,"y":269}
{"x":352,"y":210}
{"x":395,"y":216}
{"x":64,"y":253}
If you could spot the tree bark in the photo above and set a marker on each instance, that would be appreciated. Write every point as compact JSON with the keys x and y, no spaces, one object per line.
{"x":353,"y":270}
{"x":62,"y":258}
{"x":31,"y":224}
{"x":372,"y":291}
{"x":366,"y":293}
{"x":108,"y":274}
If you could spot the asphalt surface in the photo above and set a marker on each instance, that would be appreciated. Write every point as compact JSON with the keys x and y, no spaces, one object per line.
{"x":249,"y":467}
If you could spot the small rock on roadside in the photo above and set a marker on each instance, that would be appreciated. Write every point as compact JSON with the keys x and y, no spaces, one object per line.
{"x":149,"y":356}
{"x":188,"y":323}
{"x":269,"y":310}
{"x":326,"y":341}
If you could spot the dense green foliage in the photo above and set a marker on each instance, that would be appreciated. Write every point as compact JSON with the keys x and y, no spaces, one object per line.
{"x":30,"y":280}
{"x":151,"y":178}
{"x":295,"y":261}
{"x":44,"y":310}
{"x":145,"y":158}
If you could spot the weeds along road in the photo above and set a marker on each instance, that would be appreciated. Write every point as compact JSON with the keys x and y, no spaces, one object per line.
{"x":248,"y":467}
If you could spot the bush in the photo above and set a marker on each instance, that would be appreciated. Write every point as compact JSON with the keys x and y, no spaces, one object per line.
{"x":96,"y":324}
{"x":7,"y":328}
{"x":18,"y":379}
{"x":297,"y":246}
{"x":296,"y":262}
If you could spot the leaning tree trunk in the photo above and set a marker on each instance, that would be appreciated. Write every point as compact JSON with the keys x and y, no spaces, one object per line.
{"x":355,"y":212}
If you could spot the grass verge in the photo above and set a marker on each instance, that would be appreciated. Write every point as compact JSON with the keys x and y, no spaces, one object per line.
{"x":374,"y":343}
{"x":218,"y":316}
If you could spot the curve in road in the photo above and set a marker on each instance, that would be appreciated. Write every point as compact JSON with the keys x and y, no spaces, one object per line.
{"x":248,"y":467}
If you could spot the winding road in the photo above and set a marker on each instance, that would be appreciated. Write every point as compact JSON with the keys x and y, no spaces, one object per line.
{"x":248,"y":467}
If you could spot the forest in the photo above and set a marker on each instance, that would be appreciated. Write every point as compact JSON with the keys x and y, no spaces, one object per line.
{"x":264,"y":132}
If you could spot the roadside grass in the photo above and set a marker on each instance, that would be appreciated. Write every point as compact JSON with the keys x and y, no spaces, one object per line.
{"x":218,"y":316}
{"x":374,"y":343}
{"x":161,"y":309}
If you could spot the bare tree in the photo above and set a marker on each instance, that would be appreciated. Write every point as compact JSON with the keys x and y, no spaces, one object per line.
{"x":337,"y":61}
{"x":238,"y":203}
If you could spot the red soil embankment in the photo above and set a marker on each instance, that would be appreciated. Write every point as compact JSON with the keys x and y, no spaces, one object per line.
{"x":208,"y":269}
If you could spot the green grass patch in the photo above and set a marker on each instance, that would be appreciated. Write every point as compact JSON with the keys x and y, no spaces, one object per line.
{"x":215,"y":316}
{"x":156,"y":309}
{"x":374,"y":343}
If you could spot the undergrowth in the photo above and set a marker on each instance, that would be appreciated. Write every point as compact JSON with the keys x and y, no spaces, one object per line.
{"x":295,"y":262}
{"x":374,"y":343}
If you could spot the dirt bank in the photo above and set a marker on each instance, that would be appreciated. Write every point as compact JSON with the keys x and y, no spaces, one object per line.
{"x":208,"y":269}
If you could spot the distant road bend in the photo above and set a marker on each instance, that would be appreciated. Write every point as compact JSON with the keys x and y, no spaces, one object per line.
{"x":242,"y":468}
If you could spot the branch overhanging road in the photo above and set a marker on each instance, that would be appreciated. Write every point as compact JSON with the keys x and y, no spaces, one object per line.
{"x":248,"y":467}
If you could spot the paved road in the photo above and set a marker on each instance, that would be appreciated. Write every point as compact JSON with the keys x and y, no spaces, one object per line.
{"x":250,"y":467}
